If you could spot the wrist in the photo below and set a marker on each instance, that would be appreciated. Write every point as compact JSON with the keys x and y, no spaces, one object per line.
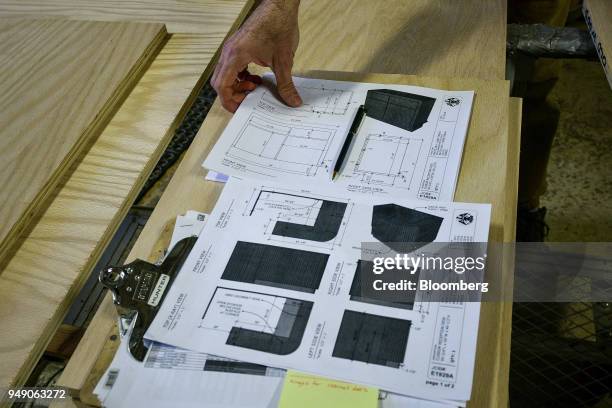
{"x":285,"y":6}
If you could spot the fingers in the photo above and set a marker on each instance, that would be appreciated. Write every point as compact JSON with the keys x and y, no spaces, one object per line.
{"x":284,"y":82}
{"x":219,"y":82}
{"x":245,"y":75}
{"x":226,"y":82}
{"x":245,"y":86}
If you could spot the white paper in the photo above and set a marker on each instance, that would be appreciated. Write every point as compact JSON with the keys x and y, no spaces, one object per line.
{"x":249,"y":212}
{"x":188,"y":225}
{"x":266,"y":140}
{"x":171,"y":377}
{"x":174,"y":377}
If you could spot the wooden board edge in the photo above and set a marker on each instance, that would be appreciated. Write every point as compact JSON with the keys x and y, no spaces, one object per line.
{"x":505,"y":308}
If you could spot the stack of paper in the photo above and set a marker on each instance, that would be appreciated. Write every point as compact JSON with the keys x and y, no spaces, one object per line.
{"x":273,"y":280}
{"x":174,"y":377}
{"x":266,"y":140}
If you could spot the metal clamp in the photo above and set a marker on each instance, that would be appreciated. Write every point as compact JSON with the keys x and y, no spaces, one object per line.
{"x":140,"y":288}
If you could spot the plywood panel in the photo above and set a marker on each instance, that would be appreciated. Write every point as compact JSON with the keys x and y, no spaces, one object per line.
{"x":422,"y":37}
{"x":210,"y":17}
{"x":41,"y":280}
{"x":61,"y":82}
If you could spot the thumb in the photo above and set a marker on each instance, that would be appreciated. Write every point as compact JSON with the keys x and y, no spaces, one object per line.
{"x":285,"y":86}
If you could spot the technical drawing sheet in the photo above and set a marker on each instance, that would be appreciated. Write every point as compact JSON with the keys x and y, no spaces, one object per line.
{"x":270,"y":281}
{"x":408,"y":146}
{"x":171,"y":376}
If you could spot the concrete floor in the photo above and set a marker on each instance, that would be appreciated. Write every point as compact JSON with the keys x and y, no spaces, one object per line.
{"x":579,"y":195}
{"x":579,"y":204}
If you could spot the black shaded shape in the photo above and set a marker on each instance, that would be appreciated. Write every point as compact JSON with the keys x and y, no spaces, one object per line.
{"x":404,"y":229}
{"x":358,"y":294}
{"x":275,"y":266}
{"x":402,"y":109}
{"x":234,"y":367}
{"x":372,"y":339}
{"x":286,"y":337}
{"x":325,"y":228}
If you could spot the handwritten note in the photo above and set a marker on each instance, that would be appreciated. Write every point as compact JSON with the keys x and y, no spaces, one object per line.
{"x":307,"y":391}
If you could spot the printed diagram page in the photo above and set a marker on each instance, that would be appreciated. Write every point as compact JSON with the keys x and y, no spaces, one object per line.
{"x":273,"y":280}
{"x":409,"y":144}
{"x":170,"y":376}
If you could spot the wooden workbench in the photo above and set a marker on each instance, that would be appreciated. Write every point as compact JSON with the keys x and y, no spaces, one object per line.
{"x":429,"y":38}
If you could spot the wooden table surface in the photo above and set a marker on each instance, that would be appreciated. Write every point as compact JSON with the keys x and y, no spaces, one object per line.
{"x":431,"y":38}
{"x":208,"y":17}
{"x":42,"y":278}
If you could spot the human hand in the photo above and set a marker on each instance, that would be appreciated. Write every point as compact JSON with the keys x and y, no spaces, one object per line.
{"x":268,"y":38}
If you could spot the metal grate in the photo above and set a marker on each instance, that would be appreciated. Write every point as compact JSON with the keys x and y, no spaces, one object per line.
{"x":183,"y":136}
{"x":561,"y":355}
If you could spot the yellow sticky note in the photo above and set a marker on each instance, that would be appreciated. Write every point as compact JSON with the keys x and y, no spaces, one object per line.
{"x":308,"y":391}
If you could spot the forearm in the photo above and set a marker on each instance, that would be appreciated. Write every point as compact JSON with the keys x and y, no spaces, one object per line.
{"x":278,"y":15}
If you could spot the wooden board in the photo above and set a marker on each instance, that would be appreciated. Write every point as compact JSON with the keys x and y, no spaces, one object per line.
{"x":61,"y":83}
{"x":44,"y":276}
{"x":426,"y":37}
{"x":486,"y":137}
{"x":210,"y":17}
{"x":422,"y":37}
{"x":598,"y":14}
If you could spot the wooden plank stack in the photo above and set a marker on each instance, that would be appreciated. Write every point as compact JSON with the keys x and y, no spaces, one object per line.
{"x":62,"y":82}
{"x":40,"y":279}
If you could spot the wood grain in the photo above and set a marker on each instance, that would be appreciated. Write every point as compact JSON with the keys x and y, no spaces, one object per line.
{"x":66,"y":403}
{"x":210,"y":17}
{"x":62,"y":81}
{"x":41,"y":280}
{"x":421,"y":37}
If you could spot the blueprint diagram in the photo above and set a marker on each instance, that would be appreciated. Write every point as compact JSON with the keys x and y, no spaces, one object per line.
{"x":372,"y":339}
{"x":278,"y":266}
{"x":169,"y":374}
{"x":299,"y":218}
{"x":401,"y":109}
{"x":290,"y":304}
{"x":388,"y":160}
{"x":317,"y":100}
{"x":409,"y":145}
{"x":282,"y":146}
{"x":257,"y":321}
